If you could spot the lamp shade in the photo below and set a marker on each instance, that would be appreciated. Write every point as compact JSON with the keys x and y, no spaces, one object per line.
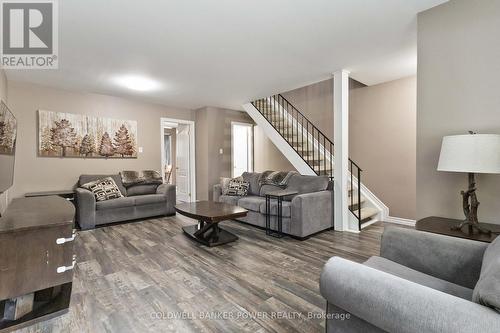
{"x":475,"y":153}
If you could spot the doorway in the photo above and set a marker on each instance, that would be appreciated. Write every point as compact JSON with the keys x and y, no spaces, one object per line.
{"x":241,"y":148}
{"x":178,"y":157}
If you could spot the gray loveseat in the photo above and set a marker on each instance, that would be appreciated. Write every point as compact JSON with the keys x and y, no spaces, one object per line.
{"x":422,"y":282}
{"x":304,"y":214}
{"x":138,"y":201}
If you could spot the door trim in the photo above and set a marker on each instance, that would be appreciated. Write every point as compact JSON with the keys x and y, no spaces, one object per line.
{"x":232,"y":145}
{"x":192,"y":151}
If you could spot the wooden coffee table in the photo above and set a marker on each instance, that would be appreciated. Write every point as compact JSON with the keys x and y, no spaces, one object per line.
{"x":209,"y":214}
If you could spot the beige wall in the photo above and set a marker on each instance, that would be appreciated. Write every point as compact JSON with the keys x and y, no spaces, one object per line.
{"x":213,"y":132}
{"x":316,"y":103}
{"x":35,"y":173}
{"x":458,"y":90}
{"x":266,"y":155}
{"x":3,"y":95}
{"x":382,"y":140}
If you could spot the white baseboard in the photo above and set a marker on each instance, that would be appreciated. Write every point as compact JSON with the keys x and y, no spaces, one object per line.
{"x":400,"y":220}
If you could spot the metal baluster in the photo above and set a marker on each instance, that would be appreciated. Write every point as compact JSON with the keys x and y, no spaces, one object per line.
{"x":359,"y":196}
{"x":302,"y":141}
{"x":324,"y":153}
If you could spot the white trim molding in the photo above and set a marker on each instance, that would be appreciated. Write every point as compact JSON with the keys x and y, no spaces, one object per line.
{"x":166,"y":122}
{"x":400,"y":220}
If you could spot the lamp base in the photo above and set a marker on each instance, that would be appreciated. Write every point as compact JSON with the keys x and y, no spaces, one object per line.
{"x":470,"y":205}
{"x":471,"y":227}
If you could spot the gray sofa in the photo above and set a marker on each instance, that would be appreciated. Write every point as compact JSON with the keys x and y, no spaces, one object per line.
{"x":138,"y":201}
{"x":304,"y":214}
{"x":422,"y":282}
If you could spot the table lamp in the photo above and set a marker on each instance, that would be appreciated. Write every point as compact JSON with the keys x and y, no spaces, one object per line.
{"x":472,"y":153}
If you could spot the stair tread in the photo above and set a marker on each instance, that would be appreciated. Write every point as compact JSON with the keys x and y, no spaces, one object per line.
{"x":367,"y":212}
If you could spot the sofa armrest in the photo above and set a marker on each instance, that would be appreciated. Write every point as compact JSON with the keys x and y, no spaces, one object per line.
{"x":311,"y":213}
{"x":169,"y":191}
{"x":394,"y":304}
{"x":85,"y":208}
{"x":449,"y":258}
{"x":217,"y":192}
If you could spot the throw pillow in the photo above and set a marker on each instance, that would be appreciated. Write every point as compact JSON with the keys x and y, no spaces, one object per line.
{"x":237,"y":188}
{"x":151,"y":177}
{"x":130,"y":178}
{"x":224,"y":183}
{"x":276,"y":178}
{"x":103,"y":189}
{"x":145,"y":177}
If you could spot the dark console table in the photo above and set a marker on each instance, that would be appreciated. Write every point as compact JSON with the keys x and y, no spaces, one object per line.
{"x":66,"y":194}
{"x":36,"y":260}
{"x":279,"y":196}
{"x":442,"y":225}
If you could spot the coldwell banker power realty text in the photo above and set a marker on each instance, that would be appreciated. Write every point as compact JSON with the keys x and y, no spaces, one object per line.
{"x":29,"y":36}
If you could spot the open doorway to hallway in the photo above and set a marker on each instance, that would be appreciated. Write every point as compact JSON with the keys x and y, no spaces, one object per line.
{"x":178,"y":157}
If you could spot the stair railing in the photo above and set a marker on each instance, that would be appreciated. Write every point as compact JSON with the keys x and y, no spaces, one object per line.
{"x":312,"y":145}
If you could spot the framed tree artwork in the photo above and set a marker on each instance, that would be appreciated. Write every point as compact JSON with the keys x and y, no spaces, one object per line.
{"x":75,"y":135}
{"x":8,"y":128}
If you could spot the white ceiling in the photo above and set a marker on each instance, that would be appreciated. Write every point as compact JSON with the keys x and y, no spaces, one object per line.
{"x":228,"y":52}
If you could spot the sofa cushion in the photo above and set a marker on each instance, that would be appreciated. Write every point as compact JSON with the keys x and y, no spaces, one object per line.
{"x":251,"y":203}
{"x":487,"y":289}
{"x":229,"y":199}
{"x":141,"y":190}
{"x":149,"y":199}
{"x":391,"y":267}
{"x":286,"y":208}
{"x":115,"y":203}
{"x":103,"y":189}
{"x":252,"y":178}
{"x":90,"y":178}
{"x":307,"y":184}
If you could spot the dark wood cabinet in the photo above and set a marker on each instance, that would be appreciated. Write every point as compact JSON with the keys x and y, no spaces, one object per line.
{"x":36,"y":256}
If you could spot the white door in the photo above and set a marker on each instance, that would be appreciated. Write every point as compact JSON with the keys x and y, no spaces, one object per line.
{"x":242,"y":148}
{"x":183,"y":164}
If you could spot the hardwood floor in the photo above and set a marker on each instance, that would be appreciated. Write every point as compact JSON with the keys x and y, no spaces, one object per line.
{"x":138,"y":277}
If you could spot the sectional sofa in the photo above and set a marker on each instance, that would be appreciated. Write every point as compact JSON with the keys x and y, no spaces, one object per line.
{"x":304,"y":214}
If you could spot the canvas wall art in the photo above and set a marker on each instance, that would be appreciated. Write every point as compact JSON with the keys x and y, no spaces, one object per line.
{"x":75,"y":135}
{"x":8,"y":128}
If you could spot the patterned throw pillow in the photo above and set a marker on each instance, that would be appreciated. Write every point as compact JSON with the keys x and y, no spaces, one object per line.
{"x":224,"y":183}
{"x":103,"y":189}
{"x":237,"y":188}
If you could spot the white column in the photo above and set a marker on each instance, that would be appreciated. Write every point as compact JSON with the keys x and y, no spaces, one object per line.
{"x":341,"y":147}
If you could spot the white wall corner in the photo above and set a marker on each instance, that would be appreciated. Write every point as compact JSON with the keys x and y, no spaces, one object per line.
{"x":341,"y":148}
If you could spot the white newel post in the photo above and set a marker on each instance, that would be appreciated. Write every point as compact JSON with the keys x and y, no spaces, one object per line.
{"x":341,"y":148}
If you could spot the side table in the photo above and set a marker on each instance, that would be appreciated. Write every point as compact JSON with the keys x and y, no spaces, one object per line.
{"x":278,"y":195}
{"x":443,"y":226}
{"x":66,"y":194}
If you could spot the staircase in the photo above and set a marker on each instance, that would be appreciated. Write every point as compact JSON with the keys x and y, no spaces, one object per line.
{"x":311,"y":152}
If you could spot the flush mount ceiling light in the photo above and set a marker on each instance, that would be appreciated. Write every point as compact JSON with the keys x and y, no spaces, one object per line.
{"x":137,"y":82}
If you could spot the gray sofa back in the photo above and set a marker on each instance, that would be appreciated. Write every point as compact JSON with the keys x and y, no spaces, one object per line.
{"x":301,"y":184}
{"x":487,"y":289}
{"x":252,"y":178}
{"x":307,"y":184}
{"x":90,"y":178}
